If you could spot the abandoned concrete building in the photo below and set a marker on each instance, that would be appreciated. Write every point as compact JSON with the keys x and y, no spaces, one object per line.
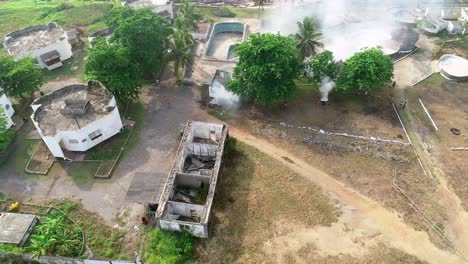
{"x":7,"y":107}
{"x":406,"y":38}
{"x":188,"y":194}
{"x":76,"y":118}
{"x":164,"y":8}
{"x":16,"y":228}
{"x":47,"y":43}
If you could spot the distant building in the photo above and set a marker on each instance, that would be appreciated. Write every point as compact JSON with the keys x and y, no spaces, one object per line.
{"x":76,"y":117}
{"x":16,"y":228}
{"x":188,"y":194}
{"x":164,"y":8}
{"x":46,"y":43}
{"x":7,"y":107}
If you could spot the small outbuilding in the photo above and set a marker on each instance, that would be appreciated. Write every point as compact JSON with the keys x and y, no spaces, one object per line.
{"x":7,"y":107}
{"x":16,"y":228}
{"x":76,"y":117}
{"x":47,"y":43}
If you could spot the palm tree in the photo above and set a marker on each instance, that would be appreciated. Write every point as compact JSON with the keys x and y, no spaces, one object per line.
{"x":308,"y":38}
{"x":180,"y":51}
{"x":187,"y":13}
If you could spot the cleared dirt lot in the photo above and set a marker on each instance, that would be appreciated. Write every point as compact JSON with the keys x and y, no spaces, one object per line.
{"x":266,"y":213}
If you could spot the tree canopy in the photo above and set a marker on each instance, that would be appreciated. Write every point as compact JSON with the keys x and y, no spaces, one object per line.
{"x":267,"y":67}
{"x":145,"y":34}
{"x":366,"y":70}
{"x":322,"y":65}
{"x":187,"y":15}
{"x":112,"y":65}
{"x":308,"y":39}
{"x":180,"y":51}
{"x":20,"y":77}
{"x":5,"y":134}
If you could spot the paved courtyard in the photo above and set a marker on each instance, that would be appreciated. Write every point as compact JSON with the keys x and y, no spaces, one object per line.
{"x":142,"y":172}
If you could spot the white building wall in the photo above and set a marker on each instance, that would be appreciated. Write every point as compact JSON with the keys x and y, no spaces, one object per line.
{"x":63,"y":47}
{"x":7,"y":107}
{"x":109,"y":125}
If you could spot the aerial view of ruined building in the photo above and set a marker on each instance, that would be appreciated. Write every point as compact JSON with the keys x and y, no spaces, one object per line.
{"x":7,"y":107}
{"x":76,"y":117}
{"x":164,"y":8}
{"x":188,"y":194}
{"x":47,"y":43}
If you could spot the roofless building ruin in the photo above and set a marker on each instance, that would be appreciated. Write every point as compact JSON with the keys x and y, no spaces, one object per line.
{"x":76,"y":118}
{"x":46,"y":43}
{"x":188,"y":194}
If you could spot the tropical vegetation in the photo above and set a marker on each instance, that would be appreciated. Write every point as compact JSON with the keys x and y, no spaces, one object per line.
{"x":267,"y":67}
{"x":6,"y":135}
{"x":21,"y":77}
{"x":112,"y":65}
{"x":168,"y":247}
{"x":308,"y":38}
{"x":365,"y":71}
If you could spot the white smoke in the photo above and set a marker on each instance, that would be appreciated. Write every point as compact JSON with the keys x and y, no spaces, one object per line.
{"x":347,"y":25}
{"x":222,"y":97}
{"x":326,"y":86}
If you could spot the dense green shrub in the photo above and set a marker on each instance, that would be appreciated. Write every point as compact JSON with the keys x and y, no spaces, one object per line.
{"x":168,"y":247}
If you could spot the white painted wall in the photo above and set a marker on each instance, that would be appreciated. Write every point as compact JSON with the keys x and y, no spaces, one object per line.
{"x":109,"y":125}
{"x":62,"y":46}
{"x":7,"y":107}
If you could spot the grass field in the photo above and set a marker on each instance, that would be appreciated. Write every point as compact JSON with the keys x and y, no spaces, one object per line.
{"x":18,"y":14}
{"x":208,"y":15}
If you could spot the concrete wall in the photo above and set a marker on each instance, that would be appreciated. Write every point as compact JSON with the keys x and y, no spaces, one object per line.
{"x":168,"y":210}
{"x":63,"y":47}
{"x":109,"y":125}
{"x":7,"y":107}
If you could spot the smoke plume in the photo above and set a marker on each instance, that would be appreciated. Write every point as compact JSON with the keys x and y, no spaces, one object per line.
{"x":326,"y":86}
{"x":222,"y":97}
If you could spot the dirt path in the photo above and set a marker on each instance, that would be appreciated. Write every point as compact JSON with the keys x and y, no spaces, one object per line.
{"x":394,"y":231}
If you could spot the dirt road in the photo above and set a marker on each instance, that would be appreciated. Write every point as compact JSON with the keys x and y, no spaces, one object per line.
{"x":394,"y":231}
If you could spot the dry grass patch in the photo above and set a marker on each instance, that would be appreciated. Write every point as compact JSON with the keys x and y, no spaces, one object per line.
{"x":255,"y":192}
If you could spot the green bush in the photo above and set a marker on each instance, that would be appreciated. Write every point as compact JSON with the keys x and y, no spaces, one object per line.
{"x":223,"y":12}
{"x":168,"y":247}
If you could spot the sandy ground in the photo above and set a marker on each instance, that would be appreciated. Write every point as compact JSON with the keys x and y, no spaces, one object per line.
{"x":393,"y":229}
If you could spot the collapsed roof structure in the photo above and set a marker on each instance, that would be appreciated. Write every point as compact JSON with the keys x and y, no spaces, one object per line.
{"x":188,"y":194}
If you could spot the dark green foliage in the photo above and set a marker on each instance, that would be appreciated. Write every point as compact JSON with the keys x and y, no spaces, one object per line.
{"x":146,"y":35}
{"x":323,"y":65}
{"x":113,"y":66}
{"x":308,"y":39}
{"x":180,"y":51}
{"x":366,"y":70}
{"x":186,"y":16}
{"x":168,"y":247}
{"x":6,"y":135}
{"x":56,"y":235}
{"x":20,"y":77}
{"x":223,"y":12}
{"x":116,"y":15}
{"x":268,"y":65}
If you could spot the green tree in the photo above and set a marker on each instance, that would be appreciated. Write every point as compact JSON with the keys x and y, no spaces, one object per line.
{"x":112,"y":65}
{"x":322,"y":65}
{"x":21,"y":77}
{"x":366,"y":70}
{"x":180,"y":52}
{"x":308,"y":39}
{"x":6,"y":135}
{"x":187,"y":14}
{"x":146,"y":35}
{"x":116,"y":15}
{"x":267,"y":67}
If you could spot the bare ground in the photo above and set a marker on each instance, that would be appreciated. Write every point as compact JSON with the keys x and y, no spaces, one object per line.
{"x":266,"y":213}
